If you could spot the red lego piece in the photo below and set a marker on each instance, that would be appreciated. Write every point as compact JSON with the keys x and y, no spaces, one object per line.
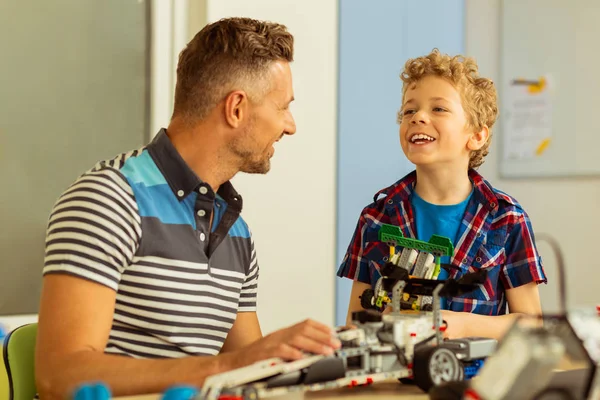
{"x":471,"y":394}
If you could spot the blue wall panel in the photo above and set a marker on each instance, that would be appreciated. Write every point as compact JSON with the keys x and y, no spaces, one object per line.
{"x":376,"y":38}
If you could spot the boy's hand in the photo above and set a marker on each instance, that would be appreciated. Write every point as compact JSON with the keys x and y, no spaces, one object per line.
{"x":457,"y":324}
{"x":291,"y":343}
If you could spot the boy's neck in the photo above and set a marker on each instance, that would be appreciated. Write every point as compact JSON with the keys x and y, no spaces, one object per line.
{"x":443,"y":186}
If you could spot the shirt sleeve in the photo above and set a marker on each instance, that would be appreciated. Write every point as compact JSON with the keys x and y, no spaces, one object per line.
{"x":523,"y":262}
{"x":94,"y":229}
{"x":250,"y":285}
{"x":354,"y":266}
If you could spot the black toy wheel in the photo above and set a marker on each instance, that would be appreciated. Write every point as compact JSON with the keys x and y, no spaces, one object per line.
{"x":434,"y":365}
{"x":366,"y":299}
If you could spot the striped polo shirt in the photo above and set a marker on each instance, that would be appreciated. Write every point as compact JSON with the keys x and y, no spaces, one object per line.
{"x":140,"y":224}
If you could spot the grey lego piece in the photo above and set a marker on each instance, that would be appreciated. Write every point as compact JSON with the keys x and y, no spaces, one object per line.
{"x":397,"y":295}
{"x":407,"y":259}
{"x":472,"y":348}
{"x":424,"y":260}
{"x":522,"y":356}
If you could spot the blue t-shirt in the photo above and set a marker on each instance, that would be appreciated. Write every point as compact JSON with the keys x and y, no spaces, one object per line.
{"x":442,"y":220}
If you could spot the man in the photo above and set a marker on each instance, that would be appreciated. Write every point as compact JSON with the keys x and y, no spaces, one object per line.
{"x":150,"y":274}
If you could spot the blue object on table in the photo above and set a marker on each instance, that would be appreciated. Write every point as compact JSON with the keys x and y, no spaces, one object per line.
{"x":94,"y":391}
{"x":472,"y":368}
{"x":180,"y":393}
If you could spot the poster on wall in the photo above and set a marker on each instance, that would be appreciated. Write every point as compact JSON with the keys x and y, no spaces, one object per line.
{"x":528,"y":122}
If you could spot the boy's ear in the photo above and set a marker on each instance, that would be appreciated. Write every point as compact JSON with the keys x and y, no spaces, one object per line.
{"x":478,"y":139}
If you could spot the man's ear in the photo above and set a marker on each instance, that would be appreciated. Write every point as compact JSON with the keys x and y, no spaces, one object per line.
{"x":478,"y":139}
{"x":236,"y":108}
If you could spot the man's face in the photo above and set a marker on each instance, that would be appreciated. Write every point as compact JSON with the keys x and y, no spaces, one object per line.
{"x":434,"y":127}
{"x":269,"y":121}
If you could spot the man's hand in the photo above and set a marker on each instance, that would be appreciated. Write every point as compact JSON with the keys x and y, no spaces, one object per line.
{"x":290,"y":343}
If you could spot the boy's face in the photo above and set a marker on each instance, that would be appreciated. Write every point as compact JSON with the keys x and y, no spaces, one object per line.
{"x":434,"y":129}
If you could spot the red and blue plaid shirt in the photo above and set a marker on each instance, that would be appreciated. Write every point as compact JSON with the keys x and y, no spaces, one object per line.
{"x":495,"y":234}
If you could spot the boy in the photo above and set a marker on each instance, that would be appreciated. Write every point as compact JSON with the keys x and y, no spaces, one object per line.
{"x":445,"y":120}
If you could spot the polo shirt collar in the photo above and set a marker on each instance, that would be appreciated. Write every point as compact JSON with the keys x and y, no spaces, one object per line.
{"x":180,"y":177}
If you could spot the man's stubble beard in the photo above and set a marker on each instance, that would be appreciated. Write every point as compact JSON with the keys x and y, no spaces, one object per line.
{"x":250,"y":163}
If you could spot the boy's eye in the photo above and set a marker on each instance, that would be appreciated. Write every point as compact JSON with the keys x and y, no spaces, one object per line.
{"x":439,"y":109}
{"x":408,"y":111}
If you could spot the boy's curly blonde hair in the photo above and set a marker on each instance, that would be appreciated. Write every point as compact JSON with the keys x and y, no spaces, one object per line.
{"x":478,"y":94}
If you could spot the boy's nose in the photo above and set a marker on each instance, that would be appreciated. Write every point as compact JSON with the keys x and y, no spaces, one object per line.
{"x":419,"y":117}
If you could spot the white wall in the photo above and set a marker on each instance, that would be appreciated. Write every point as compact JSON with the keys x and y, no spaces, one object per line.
{"x":565,"y":208}
{"x":291,"y":210}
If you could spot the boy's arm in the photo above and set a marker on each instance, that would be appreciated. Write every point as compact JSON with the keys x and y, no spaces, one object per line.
{"x":355,"y":267}
{"x":354,"y":305}
{"x":520,"y":275}
{"x":523,"y":300}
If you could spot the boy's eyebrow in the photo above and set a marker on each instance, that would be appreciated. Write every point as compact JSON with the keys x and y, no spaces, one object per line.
{"x":431,"y":99}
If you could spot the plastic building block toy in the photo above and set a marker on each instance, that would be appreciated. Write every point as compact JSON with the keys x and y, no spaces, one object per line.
{"x":420,"y":259}
{"x":528,"y":356}
{"x":394,"y":345}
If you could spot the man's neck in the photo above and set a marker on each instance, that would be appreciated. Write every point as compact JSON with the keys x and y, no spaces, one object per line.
{"x":443,"y":186}
{"x":202,"y":149}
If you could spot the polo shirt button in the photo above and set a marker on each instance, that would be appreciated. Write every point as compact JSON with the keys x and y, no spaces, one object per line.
{"x":464,"y":261}
{"x":180,"y":193}
{"x":390,"y":201}
{"x":203,"y":190}
{"x":493,"y":205}
{"x":478,"y":259}
{"x":201,"y":213}
{"x":202,"y":237}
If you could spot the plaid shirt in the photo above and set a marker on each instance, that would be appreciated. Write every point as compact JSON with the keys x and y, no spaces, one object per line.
{"x":495,"y":234}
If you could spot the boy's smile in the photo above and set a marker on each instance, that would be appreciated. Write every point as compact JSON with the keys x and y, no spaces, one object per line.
{"x":434,"y":128}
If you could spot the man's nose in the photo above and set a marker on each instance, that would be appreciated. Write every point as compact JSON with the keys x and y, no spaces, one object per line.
{"x":290,"y":126}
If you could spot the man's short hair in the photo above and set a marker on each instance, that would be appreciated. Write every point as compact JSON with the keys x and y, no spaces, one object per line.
{"x":478,"y":94}
{"x":230,"y":54}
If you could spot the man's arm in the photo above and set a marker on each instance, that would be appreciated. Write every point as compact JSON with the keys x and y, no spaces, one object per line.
{"x":245,"y":331}
{"x":522,"y":301}
{"x":74,"y":324}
